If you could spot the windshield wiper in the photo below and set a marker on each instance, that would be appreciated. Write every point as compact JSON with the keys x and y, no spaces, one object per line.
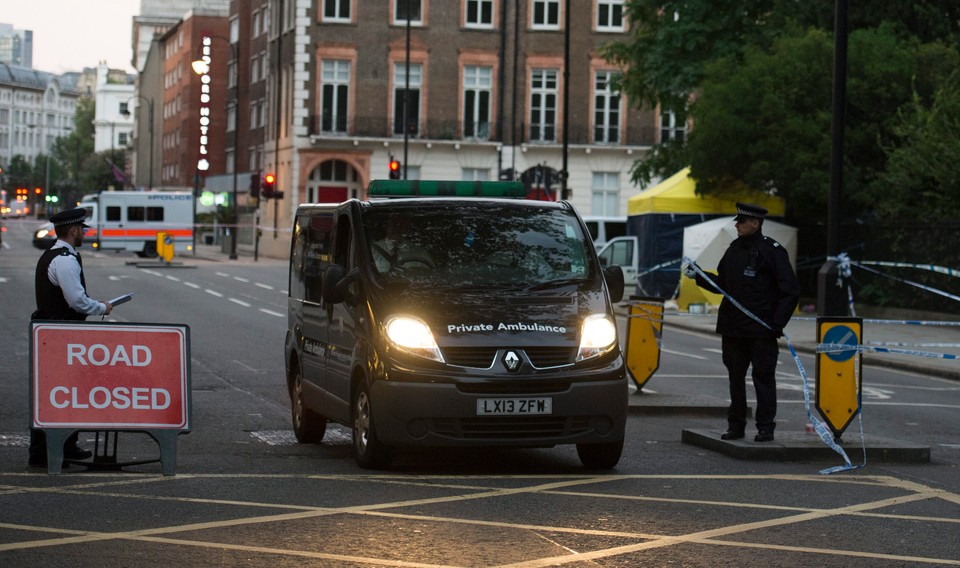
{"x":554,"y":284}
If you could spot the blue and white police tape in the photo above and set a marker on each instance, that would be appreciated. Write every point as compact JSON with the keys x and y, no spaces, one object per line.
{"x":844,"y":265}
{"x":646,"y":271}
{"x":819,"y":426}
{"x":840,"y":347}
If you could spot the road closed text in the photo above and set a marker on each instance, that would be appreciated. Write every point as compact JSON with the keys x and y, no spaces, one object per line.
{"x":99,"y":355}
{"x":120,"y":398}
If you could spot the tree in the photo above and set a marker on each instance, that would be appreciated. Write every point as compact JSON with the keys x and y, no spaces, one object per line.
{"x":924,"y":165}
{"x":672,"y":43}
{"x":763,"y":121}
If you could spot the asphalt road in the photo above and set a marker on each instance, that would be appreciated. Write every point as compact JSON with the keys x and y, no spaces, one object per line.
{"x":245,"y":494}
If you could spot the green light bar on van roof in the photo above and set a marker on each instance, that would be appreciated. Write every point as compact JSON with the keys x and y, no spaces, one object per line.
{"x":418,"y":188}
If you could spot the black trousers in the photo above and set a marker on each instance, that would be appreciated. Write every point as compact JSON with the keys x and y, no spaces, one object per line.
{"x":739,"y":353}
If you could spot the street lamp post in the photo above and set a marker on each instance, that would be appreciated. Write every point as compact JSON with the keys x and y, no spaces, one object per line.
{"x":149,"y":129}
{"x":202,"y":67}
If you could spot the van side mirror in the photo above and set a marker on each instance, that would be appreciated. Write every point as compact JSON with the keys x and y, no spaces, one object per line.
{"x":613,"y":275}
{"x":336,"y":282}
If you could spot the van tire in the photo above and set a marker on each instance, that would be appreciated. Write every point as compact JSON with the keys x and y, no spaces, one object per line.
{"x":149,"y":250}
{"x":369,"y":452}
{"x":600,"y":456}
{"x":308,"y":426}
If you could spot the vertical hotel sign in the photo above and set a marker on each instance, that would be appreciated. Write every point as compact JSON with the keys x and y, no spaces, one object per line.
{"x":202,"y":163}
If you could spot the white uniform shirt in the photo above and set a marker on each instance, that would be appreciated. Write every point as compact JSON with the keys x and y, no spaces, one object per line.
{"x":64,"y":271}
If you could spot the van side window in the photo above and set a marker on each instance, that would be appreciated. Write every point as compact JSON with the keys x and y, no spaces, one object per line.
{"x":344,"y":255}
{"x":297,"y":254}
{"x":113,"y":213}
{"x":621,"y":253}
{"x":317,"y":237}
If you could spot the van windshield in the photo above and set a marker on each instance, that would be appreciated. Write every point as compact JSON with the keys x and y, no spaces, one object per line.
{"x":477,"y":245}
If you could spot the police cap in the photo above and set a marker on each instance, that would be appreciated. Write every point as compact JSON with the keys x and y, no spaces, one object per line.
{"x":69,"y":217}
{"x":749,"y":210}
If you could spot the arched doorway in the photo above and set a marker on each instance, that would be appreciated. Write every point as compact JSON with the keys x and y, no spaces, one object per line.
{"x":541,"y":182}
{"x":332,"y":181}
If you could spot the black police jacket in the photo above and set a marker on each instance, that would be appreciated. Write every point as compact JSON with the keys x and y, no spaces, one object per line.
{"x":756,"y":272}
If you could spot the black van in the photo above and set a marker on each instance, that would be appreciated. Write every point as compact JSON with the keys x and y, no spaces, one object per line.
{"x":452,"y":318}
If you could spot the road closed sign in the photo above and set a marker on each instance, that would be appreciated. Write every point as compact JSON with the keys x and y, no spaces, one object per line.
{"x":110,"y":376}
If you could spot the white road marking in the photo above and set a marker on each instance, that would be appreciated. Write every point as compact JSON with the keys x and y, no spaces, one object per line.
{"x":174,"y":278}
{"x":241,"y":302}
{"x":192,"y":285}
{"x":691,"y":355}
{"x":267,"y":286}
{"x":241,"y":279}
{"x":213,"y":292}
{"x":224,"y":274}
{"x":272,"y":313}
{"x":152,"y":272}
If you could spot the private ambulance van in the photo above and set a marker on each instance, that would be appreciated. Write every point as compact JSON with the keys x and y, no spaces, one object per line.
{"x":453,"y":314}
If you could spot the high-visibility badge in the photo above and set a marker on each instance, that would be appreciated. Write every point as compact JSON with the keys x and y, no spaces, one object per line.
{"x":644,"y":328}
{"x":839,"y":371}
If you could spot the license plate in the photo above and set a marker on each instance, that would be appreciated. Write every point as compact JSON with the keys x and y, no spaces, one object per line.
{"x":514,"y":406}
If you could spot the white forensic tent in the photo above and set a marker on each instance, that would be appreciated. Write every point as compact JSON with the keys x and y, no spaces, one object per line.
{"x":705,"y":244}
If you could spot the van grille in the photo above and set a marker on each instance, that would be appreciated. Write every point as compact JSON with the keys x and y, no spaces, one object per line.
{"x":511,"y":427}
{"x":476,"y":357}
{"x":483,"y":357}
{"x":514,"y":387}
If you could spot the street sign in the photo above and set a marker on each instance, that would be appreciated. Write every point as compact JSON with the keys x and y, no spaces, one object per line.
{"x":839,"y":376}
{"x":644,"y":328}
{"x":109,"y":376}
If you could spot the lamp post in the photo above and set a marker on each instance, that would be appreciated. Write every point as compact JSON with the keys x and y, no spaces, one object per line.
{"x":149,"y":129}
{"x":202,"y":67}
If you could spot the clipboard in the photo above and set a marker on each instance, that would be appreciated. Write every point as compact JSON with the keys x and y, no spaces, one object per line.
{"x":121,"y":299}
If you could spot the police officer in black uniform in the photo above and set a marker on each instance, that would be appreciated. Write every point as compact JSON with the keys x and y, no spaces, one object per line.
{"x":62,"y":295}
{"x":756,"y":272}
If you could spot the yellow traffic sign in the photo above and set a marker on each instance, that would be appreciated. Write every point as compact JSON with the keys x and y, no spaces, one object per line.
{"x":839,"y":371}
{"x":644,"y":328}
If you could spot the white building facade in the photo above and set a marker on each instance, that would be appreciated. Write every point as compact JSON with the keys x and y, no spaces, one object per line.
{"x":114,"y":120}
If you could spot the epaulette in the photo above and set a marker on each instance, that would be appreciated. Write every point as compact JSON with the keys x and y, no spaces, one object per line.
{"x":771,"y":242}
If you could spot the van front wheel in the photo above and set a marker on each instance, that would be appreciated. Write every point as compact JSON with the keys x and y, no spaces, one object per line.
{"x":600,"y":456}
{"x":369,"y":452}
{"x":308,"y":426}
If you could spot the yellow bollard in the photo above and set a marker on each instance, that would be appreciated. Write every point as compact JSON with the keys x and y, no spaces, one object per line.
{"x":644,"y":328}
{"x":839,"y":371}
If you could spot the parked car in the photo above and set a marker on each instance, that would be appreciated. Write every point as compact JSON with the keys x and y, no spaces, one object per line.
{"x":44,"y":236}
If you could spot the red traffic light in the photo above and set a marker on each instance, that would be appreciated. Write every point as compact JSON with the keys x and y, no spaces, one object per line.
{"x":394,"y":169}
{"x":270,"y":178}
{"x":269,"y":188}
{"x":37,"y":190}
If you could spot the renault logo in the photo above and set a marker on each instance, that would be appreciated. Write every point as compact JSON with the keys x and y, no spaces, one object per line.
{"x":511,"y":361}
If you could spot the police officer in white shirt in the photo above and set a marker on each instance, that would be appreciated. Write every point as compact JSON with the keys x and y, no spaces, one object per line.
{"x":61,"y":293}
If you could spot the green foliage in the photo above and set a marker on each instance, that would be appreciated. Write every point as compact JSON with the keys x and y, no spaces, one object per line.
{"x":924,"y":166}
{"x":764,"y":121}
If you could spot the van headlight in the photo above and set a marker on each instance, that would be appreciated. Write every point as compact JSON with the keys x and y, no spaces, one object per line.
{"x":413,"y":336}
{"x":598,"y":334}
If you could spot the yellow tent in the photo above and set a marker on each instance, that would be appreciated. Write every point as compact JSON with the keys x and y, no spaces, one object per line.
{"x":657,"y":217}
{"x":677,"y":195}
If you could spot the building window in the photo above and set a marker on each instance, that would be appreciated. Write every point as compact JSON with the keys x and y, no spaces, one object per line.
{"x":670,"y":129}
{"x":476,"y":174}
{"x":479,"y":14}
{"x":543,"y":105}
{"x":546,"y":14}
{"x":122,"y":139}
{"x":231,"y":117}
{"x":404,"y":10}
{"x":477,"y":87}
{"x":413,"y":100}
{"x":336,"y":10}
{"x":334,"y":95}
{"x":610,"y":15}
{"x":605,"y":194}
{"x":606,"y":109}
{"x":124,"y":109}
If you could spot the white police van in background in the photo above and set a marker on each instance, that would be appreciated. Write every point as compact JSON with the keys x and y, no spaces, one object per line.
{"x":450,"y":315}
{"x":603,"y":229}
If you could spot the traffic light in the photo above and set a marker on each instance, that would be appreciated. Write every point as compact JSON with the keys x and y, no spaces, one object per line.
{"x":255,"y":186}
{"x":269,"y":187}
{"x":38,"y":190}
{"x":394,"y":168}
